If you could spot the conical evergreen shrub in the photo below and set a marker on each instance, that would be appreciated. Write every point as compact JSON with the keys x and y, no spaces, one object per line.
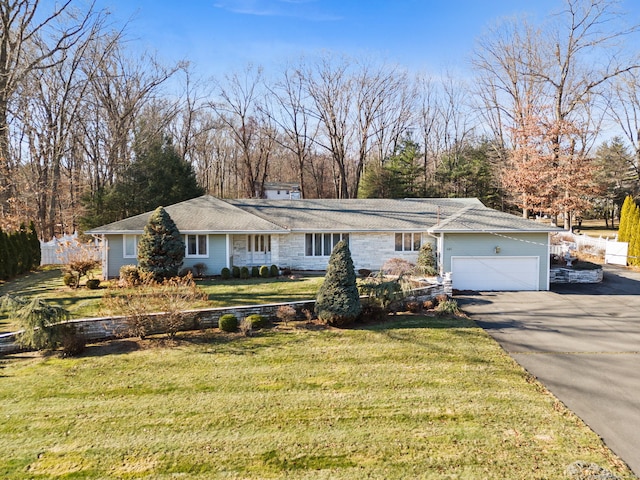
{"x":161,"y":247}
{"x":338,"y":300}
{"x":625,"y":214}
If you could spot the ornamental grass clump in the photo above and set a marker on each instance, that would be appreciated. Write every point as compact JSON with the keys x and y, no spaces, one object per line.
{"x":338,"y":300}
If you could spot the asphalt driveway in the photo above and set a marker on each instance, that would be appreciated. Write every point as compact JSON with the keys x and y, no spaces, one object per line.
{"x":583,"y":343}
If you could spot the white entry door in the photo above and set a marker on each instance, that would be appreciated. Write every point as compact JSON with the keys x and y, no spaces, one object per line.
{"x":495,"y":273}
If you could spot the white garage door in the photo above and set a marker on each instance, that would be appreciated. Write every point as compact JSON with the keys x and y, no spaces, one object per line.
{"x":495,"y":273}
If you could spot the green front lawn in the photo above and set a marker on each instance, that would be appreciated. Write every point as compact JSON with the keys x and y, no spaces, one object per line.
{"x":415,"y":397}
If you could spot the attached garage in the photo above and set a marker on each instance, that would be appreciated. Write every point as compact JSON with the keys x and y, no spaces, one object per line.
{"x":496,"y":273}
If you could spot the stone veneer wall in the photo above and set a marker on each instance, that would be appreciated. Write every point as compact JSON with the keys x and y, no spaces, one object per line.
{"x":97,"y":329}
{"x":569,"y":275}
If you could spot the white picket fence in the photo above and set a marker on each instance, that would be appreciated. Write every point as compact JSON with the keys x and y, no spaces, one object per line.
{"x":58,"y":250}
{"x":614,"y":252}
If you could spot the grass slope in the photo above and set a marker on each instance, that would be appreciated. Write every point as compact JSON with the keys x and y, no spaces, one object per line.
{"x":414,"y":398}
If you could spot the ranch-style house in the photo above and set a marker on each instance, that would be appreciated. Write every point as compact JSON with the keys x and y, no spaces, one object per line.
{"x":482,"y":248}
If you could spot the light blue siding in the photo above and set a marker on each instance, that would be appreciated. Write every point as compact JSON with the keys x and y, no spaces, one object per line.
{"x":215,"y":261}
{"x":509,"y":245}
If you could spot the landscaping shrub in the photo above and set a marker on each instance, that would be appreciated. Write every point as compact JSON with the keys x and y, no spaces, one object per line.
{"x":428,"y":304}
{"x":184,"y":272}
{"x":257,"y":321}
{"x":228,"y":323}
{"x":398,"y":266}
{"x":173,"y":296}
{"x":69,"y":279}
{"x":441,"y":298}
{"x":286,"y":313}
{"x":274,"y":271}
{"x":372,"y":312}
{"x":200,"y":269}
{"x":286,"y":271}
{"x":264,"y":271}
{"x":414,"y":307}
{"x":448,"y":307}
{"x":384,"y":292}
{"x":235,"y":271}
{"x":244,"y":273}
{"x":72,"y":344}
{"x":246,"y":328}
{"x":93,"y":283}
{"x":41,"y":324}
{"x":338,"y":300}
{"x":225,"y":273}
{"x":255,"y":271}
{"x":161,"y":247}
{"x":364,"y":272}
{"x":130,"y":276}
{"x":426,"y":263}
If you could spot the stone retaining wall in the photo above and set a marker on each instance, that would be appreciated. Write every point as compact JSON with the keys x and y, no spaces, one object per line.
{"x":105,"y":328}
{"x":569,"y":275}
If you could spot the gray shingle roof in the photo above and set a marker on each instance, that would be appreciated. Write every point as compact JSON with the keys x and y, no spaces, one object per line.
{"x":354,"y":215}
{"x":202,"y":214}
{"x":213,"y":215}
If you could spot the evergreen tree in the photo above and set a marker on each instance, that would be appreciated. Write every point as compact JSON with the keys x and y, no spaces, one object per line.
{"x":426,"y":259}
{"x":34,"y":244}
{"x":4,"y":256}
{"x":24,"y":250}
{"x":338,"y":300}
{"x":625,"y":215}
{"x":161,"y":247}
{"x":157,"y":176}
{"x":633,"y":229}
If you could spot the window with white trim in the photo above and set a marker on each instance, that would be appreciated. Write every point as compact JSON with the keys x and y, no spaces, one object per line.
{"x":408,"y":242}
{"x":259,"y":243}
{"x":321,"y":244}
{"x":196,"y":245}
{"x":130,"y":246}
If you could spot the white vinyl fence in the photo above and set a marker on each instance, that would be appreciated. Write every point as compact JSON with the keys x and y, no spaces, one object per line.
{"x":614,"y":252}
{"x":58,"y":250}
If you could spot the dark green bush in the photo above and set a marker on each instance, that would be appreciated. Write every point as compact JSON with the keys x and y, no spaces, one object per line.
{"x":225,"y":273}
{"x":257,"y":321}
{"x":255,"y":271}
{"x":338,"y":300}
{"x":93,"y":283}
{"x":228,"y":323}
{"x":264,"y":271}
{"x":244,"y":273}
{"x":274,"y":271}
{"x":161,"y":247}
{"x":235,"y":271}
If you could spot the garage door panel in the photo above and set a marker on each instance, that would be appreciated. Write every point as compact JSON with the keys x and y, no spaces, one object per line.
{"x":495,"y":273}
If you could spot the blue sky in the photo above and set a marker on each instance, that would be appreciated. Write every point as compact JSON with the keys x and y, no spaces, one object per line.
{"x":221,"y":36}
